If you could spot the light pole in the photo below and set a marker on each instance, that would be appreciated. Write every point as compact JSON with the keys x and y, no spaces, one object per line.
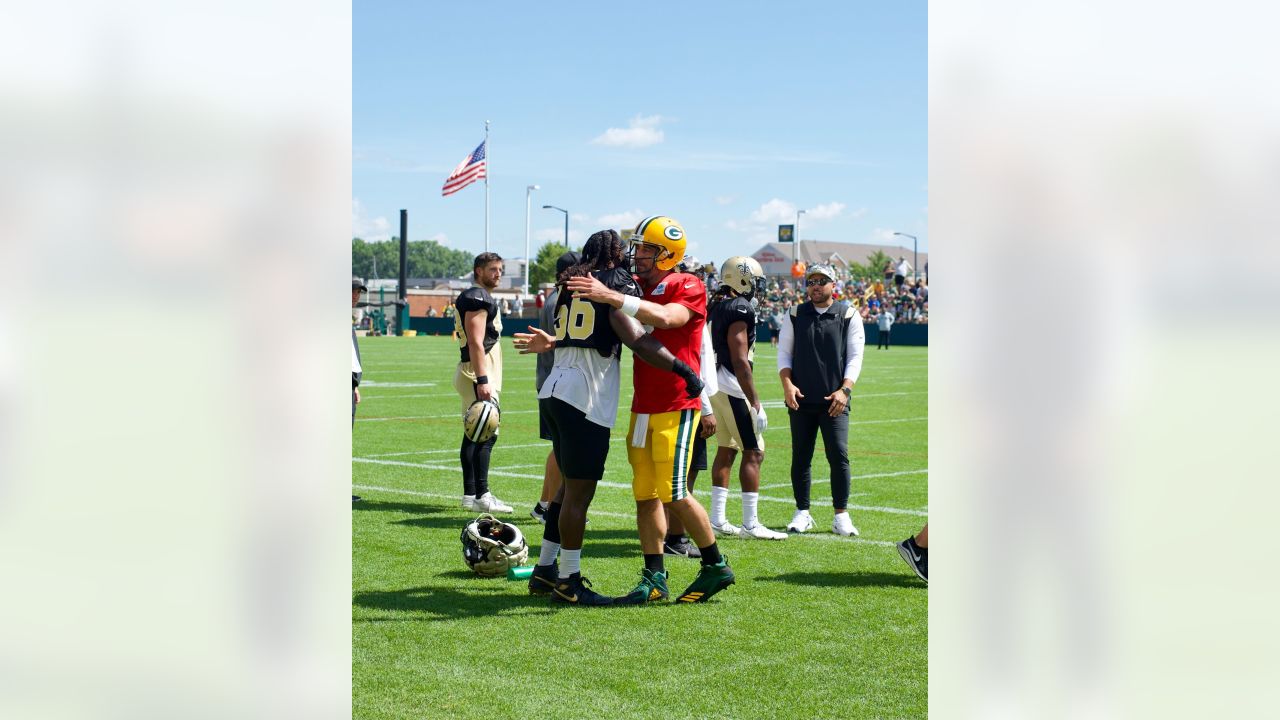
{"x":915,"y":257}
{"x":566,"y":221}
{"x":797,"y":237}
{"x":528,"y":194}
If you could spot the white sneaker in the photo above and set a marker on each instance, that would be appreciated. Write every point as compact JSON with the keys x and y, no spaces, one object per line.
{"x":760,"y":532}
{"x":727,"y":529}
{"x":842,"y":525}
{"x":490,"y":504}
{"x":469,"y":503}
{"x":800,"y":522}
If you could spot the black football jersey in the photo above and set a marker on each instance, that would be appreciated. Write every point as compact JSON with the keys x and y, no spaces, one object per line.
{"x":725,"y":313}
{"x":582,"y":323}
{"x":472,"y":299}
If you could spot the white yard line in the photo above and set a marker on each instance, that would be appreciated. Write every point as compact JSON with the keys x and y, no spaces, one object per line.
{"x":375,"y":383}
{"x":610,"y":484}
{"x":498,"y":446}
{"x":626,"y":516}
{"x":855,"y":477}
{"x":432,"y":417}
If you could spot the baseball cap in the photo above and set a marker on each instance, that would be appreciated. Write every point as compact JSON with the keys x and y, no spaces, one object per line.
{"x":824,"y":270}
{"x":357,"y":283}
{"x":567,"y":260}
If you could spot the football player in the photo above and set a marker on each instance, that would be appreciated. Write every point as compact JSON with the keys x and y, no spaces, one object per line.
{"x":581,"y":395}
{"x":743,"y":420}
{"x":663,"y":418}
{"x":478,"y":325}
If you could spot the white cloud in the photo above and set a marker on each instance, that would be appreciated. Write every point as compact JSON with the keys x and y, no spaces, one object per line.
{"x":775,"y":210}
{"x":377,"y":229}
{"x":440,"y":238}
{"x":580,"y":217}
{"x":643,"y":131}
{"x":827,"y":211}
{"x":880,"y":235}
{"x":725,"y":199}
{"x":624,"y":219}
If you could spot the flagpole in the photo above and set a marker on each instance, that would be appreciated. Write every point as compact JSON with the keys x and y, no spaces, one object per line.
{"x":487,"y":171}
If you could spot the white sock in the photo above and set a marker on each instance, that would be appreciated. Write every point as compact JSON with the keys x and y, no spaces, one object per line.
{"x":749,"y":502}
{"x":569,"y":561}
{"x":547,"y":554}
{"x":544,"y":504}
{"x":719,"y":496}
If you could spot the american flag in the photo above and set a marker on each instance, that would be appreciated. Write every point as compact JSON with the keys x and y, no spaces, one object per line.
{"x":468,"y":171}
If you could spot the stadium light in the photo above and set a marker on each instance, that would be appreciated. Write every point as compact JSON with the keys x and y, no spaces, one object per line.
{"x":915,"y":256}
{"x":795,"y":241}
{"x":566,"y":221}
{"x":528,"y":194}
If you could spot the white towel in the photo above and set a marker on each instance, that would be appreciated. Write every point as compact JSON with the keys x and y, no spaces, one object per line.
{"x":642,"y":429}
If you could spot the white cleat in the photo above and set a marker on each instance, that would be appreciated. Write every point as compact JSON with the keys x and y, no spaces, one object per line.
{"x":760,"y":532}
{"x":490,"y":504}
{"x":469,"y":503}
{"x":842,"y":525}
{"x":727,"y":529}
{"x":800,"y":522}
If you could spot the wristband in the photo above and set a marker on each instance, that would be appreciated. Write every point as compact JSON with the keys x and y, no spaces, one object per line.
{"x":482,"y":379}
{"x":848,"y":392}
{"x":630,"y":305}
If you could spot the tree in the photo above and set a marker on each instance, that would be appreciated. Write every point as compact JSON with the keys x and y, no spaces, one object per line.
{"x":543,"y":269}
{"x":425,"y":259}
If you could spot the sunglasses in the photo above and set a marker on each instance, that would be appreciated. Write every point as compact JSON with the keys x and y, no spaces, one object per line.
{"x":816,"y":281}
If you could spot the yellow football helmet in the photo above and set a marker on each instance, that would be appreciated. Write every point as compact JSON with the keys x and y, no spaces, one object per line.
{"x":663,"y":233}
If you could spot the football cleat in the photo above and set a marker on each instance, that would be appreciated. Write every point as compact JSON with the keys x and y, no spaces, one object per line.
{"x":576,"y":590}
{"x":916,"y":556}
{"x":760,"y":532}
{"x":681,"y":548}
{"x":711,"y":580}
{"x":544,"y":578}
{"x":726,"y":529}
{"x":652,"y":588}
{"x":842,"y":525}
{"x":487,"y":503}
{"x":469,"y":503}
{"x":802,"y":521}
{"x":539,"y":513}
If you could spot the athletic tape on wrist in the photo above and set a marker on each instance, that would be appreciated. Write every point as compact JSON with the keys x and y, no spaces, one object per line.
{"x":630,"y":305}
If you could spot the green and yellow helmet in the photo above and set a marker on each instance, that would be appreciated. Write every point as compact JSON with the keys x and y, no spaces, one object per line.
{"x":664,"y":233}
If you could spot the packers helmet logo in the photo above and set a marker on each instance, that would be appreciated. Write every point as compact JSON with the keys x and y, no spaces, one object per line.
{"x":673,"y":232}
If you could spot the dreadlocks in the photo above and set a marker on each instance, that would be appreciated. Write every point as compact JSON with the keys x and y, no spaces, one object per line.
{"x":604,"y":249}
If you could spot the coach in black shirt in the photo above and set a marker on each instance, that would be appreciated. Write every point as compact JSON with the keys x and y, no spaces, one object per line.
{"x":819,"y":358}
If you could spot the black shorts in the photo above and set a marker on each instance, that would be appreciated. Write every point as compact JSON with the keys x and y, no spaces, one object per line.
{"x":544,"y":420}
{"x":581,"y":446}
{"x":699,"y":452}
{"x":899,"y":279}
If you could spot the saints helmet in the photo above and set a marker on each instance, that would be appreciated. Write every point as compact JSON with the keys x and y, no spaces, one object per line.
{"x":742,"y":275}
{"x":490,"y":546}
{"x":663,"y":233}
{"x":480,"y":423}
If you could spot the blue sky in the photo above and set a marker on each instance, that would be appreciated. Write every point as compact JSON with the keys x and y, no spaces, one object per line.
{"x":725,"y":116}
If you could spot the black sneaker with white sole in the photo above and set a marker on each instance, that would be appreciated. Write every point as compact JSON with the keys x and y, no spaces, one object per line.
{"x":539,"y":513}
{"x":680,"y":547}
{"x":915,"y":556}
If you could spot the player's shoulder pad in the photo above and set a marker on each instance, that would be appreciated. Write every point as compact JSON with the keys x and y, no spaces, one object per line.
{"x":619,"y":279}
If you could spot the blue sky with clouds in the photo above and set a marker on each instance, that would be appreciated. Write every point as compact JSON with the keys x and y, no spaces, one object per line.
{"x":726,"y":116}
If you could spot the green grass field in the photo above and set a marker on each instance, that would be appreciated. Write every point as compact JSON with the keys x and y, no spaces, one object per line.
{"x":817,"y":626}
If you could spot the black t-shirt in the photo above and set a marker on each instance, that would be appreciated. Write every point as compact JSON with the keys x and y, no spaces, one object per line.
{"x":722,"y":315}
{"x":582,"y":323}
{"x":471,"y":299}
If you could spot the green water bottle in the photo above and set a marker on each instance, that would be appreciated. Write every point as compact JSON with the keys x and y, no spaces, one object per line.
{"x":524,"y":572}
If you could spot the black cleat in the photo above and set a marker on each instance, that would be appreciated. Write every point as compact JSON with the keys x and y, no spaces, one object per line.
{"x":539,"y":513}
{"x":544,"y":578}
{"x":681,"y":547}
{"x":356,"y":498}
{"x":916,"y":556}
{"x":576,"y":590}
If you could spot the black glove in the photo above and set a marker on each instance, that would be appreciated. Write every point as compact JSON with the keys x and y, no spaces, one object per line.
{"x":692,"y":383}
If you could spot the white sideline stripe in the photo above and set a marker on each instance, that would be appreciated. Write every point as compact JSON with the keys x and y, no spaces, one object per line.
{"x":454,"y":450}
{"x":375,"y":383}
{"x":610,"y":484}
{"x":864,"y":422}
{"x":364,"y":397}
{"x":855,"y":477}
{"x":623,"y":516}
{"x":513,"y":467}
{"x":432,"y":417}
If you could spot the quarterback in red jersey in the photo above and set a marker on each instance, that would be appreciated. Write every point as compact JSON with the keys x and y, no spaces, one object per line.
{"x":664,"y":419}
